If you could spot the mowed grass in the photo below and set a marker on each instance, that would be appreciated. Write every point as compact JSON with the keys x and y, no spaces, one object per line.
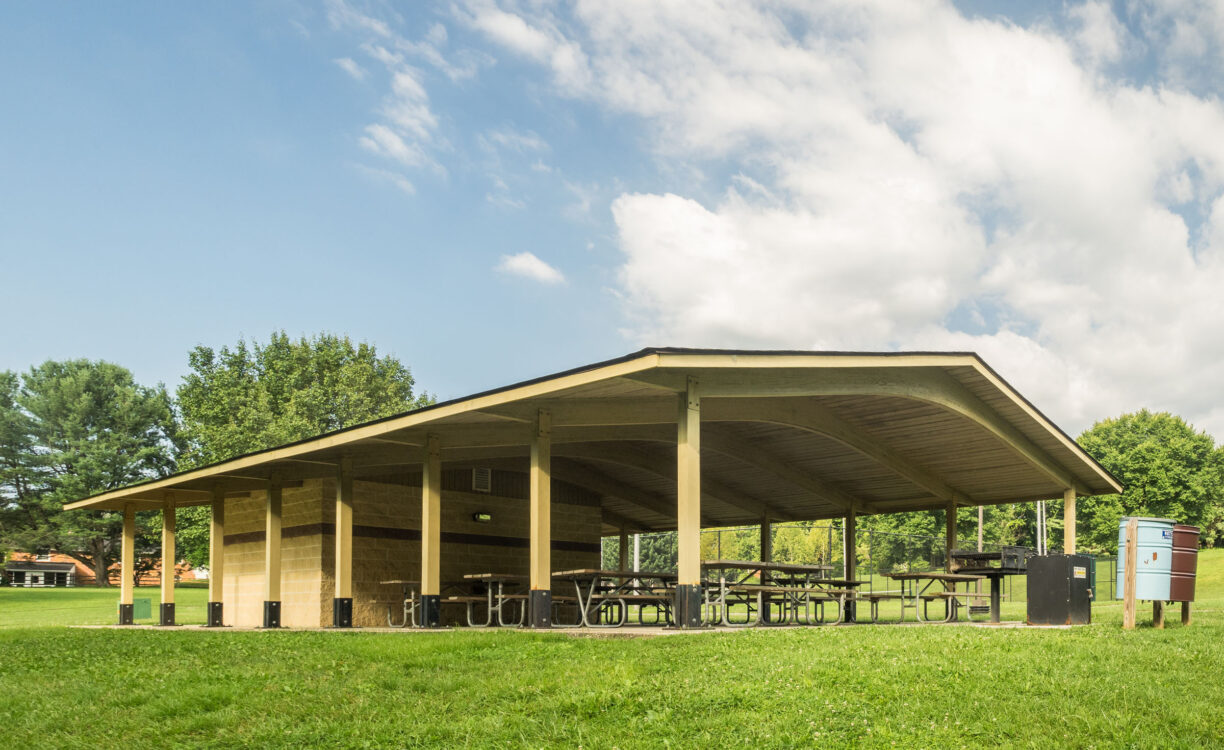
{"x":886,"y":686}
{"x":21,"y":607}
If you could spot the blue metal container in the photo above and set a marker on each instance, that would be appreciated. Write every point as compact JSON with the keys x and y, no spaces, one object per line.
{"x":1154,"y":564}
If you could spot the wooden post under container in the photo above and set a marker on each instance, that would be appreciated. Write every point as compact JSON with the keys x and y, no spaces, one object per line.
{"x":1158,"y":609}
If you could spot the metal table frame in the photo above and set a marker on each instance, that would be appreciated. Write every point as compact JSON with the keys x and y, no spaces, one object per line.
{"x":910,"y":589}
{"x":608,"y":589}
{"x":787,"y":579}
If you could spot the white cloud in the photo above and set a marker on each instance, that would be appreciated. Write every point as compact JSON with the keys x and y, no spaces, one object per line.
{"x":348,"y":65}
{"x":383,"y":141}
{"x":385,"y":175}
{"x":1101,"y":35}
{"x":918,"y":180}
{"x":513,"y":140}
{"x":528,"y":266}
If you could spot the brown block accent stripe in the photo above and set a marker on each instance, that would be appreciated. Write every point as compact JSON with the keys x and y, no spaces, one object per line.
{"x":409,"y":535}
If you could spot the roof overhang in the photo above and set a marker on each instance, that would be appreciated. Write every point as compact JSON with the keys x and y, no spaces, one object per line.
{"x":790,"y":434}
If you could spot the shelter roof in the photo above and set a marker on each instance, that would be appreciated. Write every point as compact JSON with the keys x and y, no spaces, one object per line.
{"x":792,"y":434}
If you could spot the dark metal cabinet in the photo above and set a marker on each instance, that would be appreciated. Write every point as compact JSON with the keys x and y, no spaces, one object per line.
{"x":1060,"y":590}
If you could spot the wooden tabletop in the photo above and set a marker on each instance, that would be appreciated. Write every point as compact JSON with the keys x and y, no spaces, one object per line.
{"x":495,"y":577}
{"x":767,"y":566}
{"x":950,"y":577}
{"x":599,"y":573}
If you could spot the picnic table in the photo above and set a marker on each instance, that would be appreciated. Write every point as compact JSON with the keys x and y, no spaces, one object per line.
{"x":950,"y":596}
{"x":410,"y":590}
{"x":496,"y":599}
{"x":793,"y":587}
{"x":607,"y":591}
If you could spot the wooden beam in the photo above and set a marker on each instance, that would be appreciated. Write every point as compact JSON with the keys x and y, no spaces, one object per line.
{"x":586,"y":476}
{"x":272,"y":544}
{"x":949,"y":534}
{"x":850,"y":545}
{"x":1130,"y":565}
{"x":127,"y":565}
{"x":616,"y":520}
{"x":580,"y":412}
{"x":540,"y":482}
{"x":688,"y":487}
{"x":628,"y":455}
{"x":806,"y":415}
{"x":431,"y":518}
{"x":1069,"y":521}
{"x":344,"y":530}
{"x":930,"y":384}
{"x":736,"y":447}
{"x":216,"y":557}
{"x":167,"y":555}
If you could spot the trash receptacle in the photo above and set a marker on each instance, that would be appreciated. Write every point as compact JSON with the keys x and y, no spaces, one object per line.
{"x":142,"y":609}
{"x":1154,"y":561}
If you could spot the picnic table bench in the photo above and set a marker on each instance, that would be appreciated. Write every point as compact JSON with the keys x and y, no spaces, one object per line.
{"x":950,"y":596}
{"x":793,"y":588}
{"x":604,"y":596}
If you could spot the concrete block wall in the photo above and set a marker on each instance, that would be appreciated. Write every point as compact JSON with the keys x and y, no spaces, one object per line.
{"x":386,"y":543}
{"x":301,"y":557}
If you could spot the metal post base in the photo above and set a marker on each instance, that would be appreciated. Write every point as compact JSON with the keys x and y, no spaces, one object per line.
{"x":167,"y":614}
{"x":271,"y":614}
{"x":342,"y":612}
{"x":850,"y":612}
{"x":214,"y":615}
{"x":431,"y":610}
{"x":688,"y":606}
{"x":540,"y":615}
{"x":126,"y":615}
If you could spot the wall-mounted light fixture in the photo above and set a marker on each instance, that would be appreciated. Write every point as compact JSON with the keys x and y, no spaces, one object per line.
{"x":482,"y":517}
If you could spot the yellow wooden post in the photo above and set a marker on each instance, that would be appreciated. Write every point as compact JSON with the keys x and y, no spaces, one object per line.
{"x":1069,"y":520}
{"x":766,"y":538}
{"x":342,"y":601}
{"x":1128,"y":574}
{"x":950,"y":533}
{"x":623,"y":553}
{"x":431,"y":533}
{"x":541,"y":521}
{"x":272,"y":557}
{"x":688,"y":507}
{"x":216,"y":561}
{"x":850,"y":557}
{"x":127,"y":565}
{"x":167,"y":565}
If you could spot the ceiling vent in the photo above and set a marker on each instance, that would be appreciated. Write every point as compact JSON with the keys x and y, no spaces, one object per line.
{"x":482,"y":479}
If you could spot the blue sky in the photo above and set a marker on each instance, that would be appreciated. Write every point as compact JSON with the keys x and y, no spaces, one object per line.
{"x":497,"y":190}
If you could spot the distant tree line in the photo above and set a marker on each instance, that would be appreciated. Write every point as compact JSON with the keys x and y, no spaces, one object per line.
{"x":72,"y":429}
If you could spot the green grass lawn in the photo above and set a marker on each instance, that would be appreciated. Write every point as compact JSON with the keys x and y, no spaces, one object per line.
{"x":886,"y":686}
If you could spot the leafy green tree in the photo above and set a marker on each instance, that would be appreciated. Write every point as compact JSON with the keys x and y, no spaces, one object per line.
{"x":69,"y":430}
{"x":1169,"y":470}
{"x":256,"y":396}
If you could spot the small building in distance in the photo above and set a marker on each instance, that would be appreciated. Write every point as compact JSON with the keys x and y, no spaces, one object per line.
{"x":53,"y":569}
